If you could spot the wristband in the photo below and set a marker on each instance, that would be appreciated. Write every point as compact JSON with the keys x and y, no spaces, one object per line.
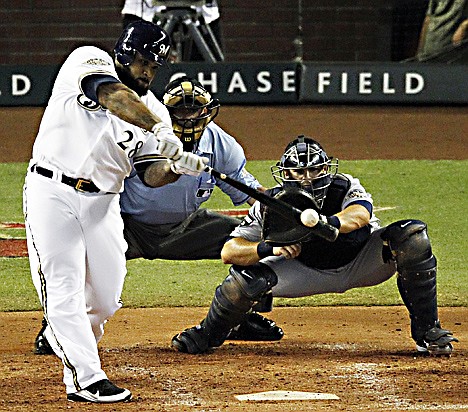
{"x":334,"y":221}
{"x":264,"y":250}
{"x":173,"y":168}
{"x":155,"y":128}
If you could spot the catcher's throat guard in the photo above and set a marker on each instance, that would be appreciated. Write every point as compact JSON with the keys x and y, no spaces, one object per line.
{"x":278,"y":231}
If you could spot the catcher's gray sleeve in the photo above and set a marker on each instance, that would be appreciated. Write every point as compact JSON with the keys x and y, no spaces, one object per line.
{"x":251,"y":226}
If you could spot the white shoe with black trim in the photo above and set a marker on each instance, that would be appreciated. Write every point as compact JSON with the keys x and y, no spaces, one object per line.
{"x":103,"y":391}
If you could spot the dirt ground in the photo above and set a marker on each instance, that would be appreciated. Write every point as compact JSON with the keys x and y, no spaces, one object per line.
{"x":364,"y":355}
{"x":347,"y":132}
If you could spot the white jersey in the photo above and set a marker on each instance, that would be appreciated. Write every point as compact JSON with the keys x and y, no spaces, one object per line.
{"x":82,"y":139}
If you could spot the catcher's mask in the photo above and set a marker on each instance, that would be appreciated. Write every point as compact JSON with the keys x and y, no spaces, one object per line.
{"x":191,"y":108}
{"x":305,"y":164}
{"x":147,"y":38}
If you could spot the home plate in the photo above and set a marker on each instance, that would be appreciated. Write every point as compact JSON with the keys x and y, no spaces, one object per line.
{"x":286,"y":396}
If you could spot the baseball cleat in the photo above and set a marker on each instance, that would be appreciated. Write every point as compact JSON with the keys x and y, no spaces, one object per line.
{"x":192,"y":340}
{"x":41,"y":345}
{"x":103,"y":391}
{"x":436,"y":342}
{"x":424,"y":348}
{"x":256,"y":328}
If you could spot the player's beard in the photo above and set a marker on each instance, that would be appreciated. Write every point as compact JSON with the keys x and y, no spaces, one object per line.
{"x":127,"y":79}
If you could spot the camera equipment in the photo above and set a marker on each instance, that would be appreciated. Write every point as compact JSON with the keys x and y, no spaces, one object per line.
{"x":185,"y":24}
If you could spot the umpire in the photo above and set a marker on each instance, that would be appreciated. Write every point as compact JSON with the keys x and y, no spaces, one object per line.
{"x":269,"y":254}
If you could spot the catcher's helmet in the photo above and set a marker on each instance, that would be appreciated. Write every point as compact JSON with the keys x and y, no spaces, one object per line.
{"x":147,"y":38}
{"x":191,"y":108}
{"x":301,"y":155}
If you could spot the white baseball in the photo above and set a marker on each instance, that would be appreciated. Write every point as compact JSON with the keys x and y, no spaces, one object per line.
{"x":309,"y":217}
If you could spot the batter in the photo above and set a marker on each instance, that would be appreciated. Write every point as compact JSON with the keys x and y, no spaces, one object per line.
{"x":100,"y":116}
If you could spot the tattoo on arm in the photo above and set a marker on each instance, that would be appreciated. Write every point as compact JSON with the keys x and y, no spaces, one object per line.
{"x":125,"y":104}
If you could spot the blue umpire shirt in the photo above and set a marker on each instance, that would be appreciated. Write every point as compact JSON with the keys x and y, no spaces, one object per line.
{"x":174,"y":202}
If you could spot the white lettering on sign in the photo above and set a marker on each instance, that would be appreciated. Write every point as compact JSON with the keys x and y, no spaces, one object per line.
{"x":365,"y":83}
{"x":369,"y":83}
{"x":323,"y":81}
{"x":386,"y":89}
{"x":209,"y":83}
{"x":20,"y":84}
{"x":289,"y":81}
{"x":328,"y":83}
{"x":344,"y":83}
{"x":264,"y":81}
{"x":418,"y":81}
{"x":237,"y":83}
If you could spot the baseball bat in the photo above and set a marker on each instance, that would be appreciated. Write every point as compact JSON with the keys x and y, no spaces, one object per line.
{"x":288,"y":211}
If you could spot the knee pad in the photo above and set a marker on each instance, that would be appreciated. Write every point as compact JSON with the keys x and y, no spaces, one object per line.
{"x":245,"y":285}
{"x":253,"y":281}
{"x":409,"y":245}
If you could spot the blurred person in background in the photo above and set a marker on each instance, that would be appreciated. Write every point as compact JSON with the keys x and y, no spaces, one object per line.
{"x":137,"y":10}
{"x":445,"y":28}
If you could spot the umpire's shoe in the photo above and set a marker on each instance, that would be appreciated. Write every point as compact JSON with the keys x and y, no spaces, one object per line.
{"x":103,"y":391}
{"x":41,"y":345}
{"x":436,"y":342}
{"x":256,"y":328}
{"x":196,"y":339}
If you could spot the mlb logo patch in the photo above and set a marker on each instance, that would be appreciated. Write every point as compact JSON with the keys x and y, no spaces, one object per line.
{"x":204,"y":192}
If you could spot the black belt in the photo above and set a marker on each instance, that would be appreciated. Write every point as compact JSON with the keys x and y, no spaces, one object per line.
{"x":79,"y":184}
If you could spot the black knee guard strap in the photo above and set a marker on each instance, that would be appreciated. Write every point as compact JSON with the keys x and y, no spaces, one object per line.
{"x":242,"y":288}
{"x":265,"y":304}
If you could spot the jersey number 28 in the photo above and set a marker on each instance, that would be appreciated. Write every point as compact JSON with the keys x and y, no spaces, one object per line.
{"x":129,"y":146}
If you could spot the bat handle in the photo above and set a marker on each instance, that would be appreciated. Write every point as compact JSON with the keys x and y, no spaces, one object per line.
{"x":326,"y":231}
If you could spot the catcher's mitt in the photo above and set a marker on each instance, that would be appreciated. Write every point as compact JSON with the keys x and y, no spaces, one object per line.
{"x":278,"y":231}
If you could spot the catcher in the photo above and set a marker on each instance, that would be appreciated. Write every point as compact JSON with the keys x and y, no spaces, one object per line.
{"x":271,"y":257}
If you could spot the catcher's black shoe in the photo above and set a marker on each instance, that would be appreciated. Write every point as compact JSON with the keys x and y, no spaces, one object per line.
{"x":256,"y":328}
{"x":192,"y":340}
{"x":436,"y":342}
{"x":103,"y":391}
{"x":41,"y":345}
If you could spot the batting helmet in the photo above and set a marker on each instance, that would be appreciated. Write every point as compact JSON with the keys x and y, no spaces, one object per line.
{"x":191,"y":108}
{"x":301,"y":155}
{"x":150,"y":40}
